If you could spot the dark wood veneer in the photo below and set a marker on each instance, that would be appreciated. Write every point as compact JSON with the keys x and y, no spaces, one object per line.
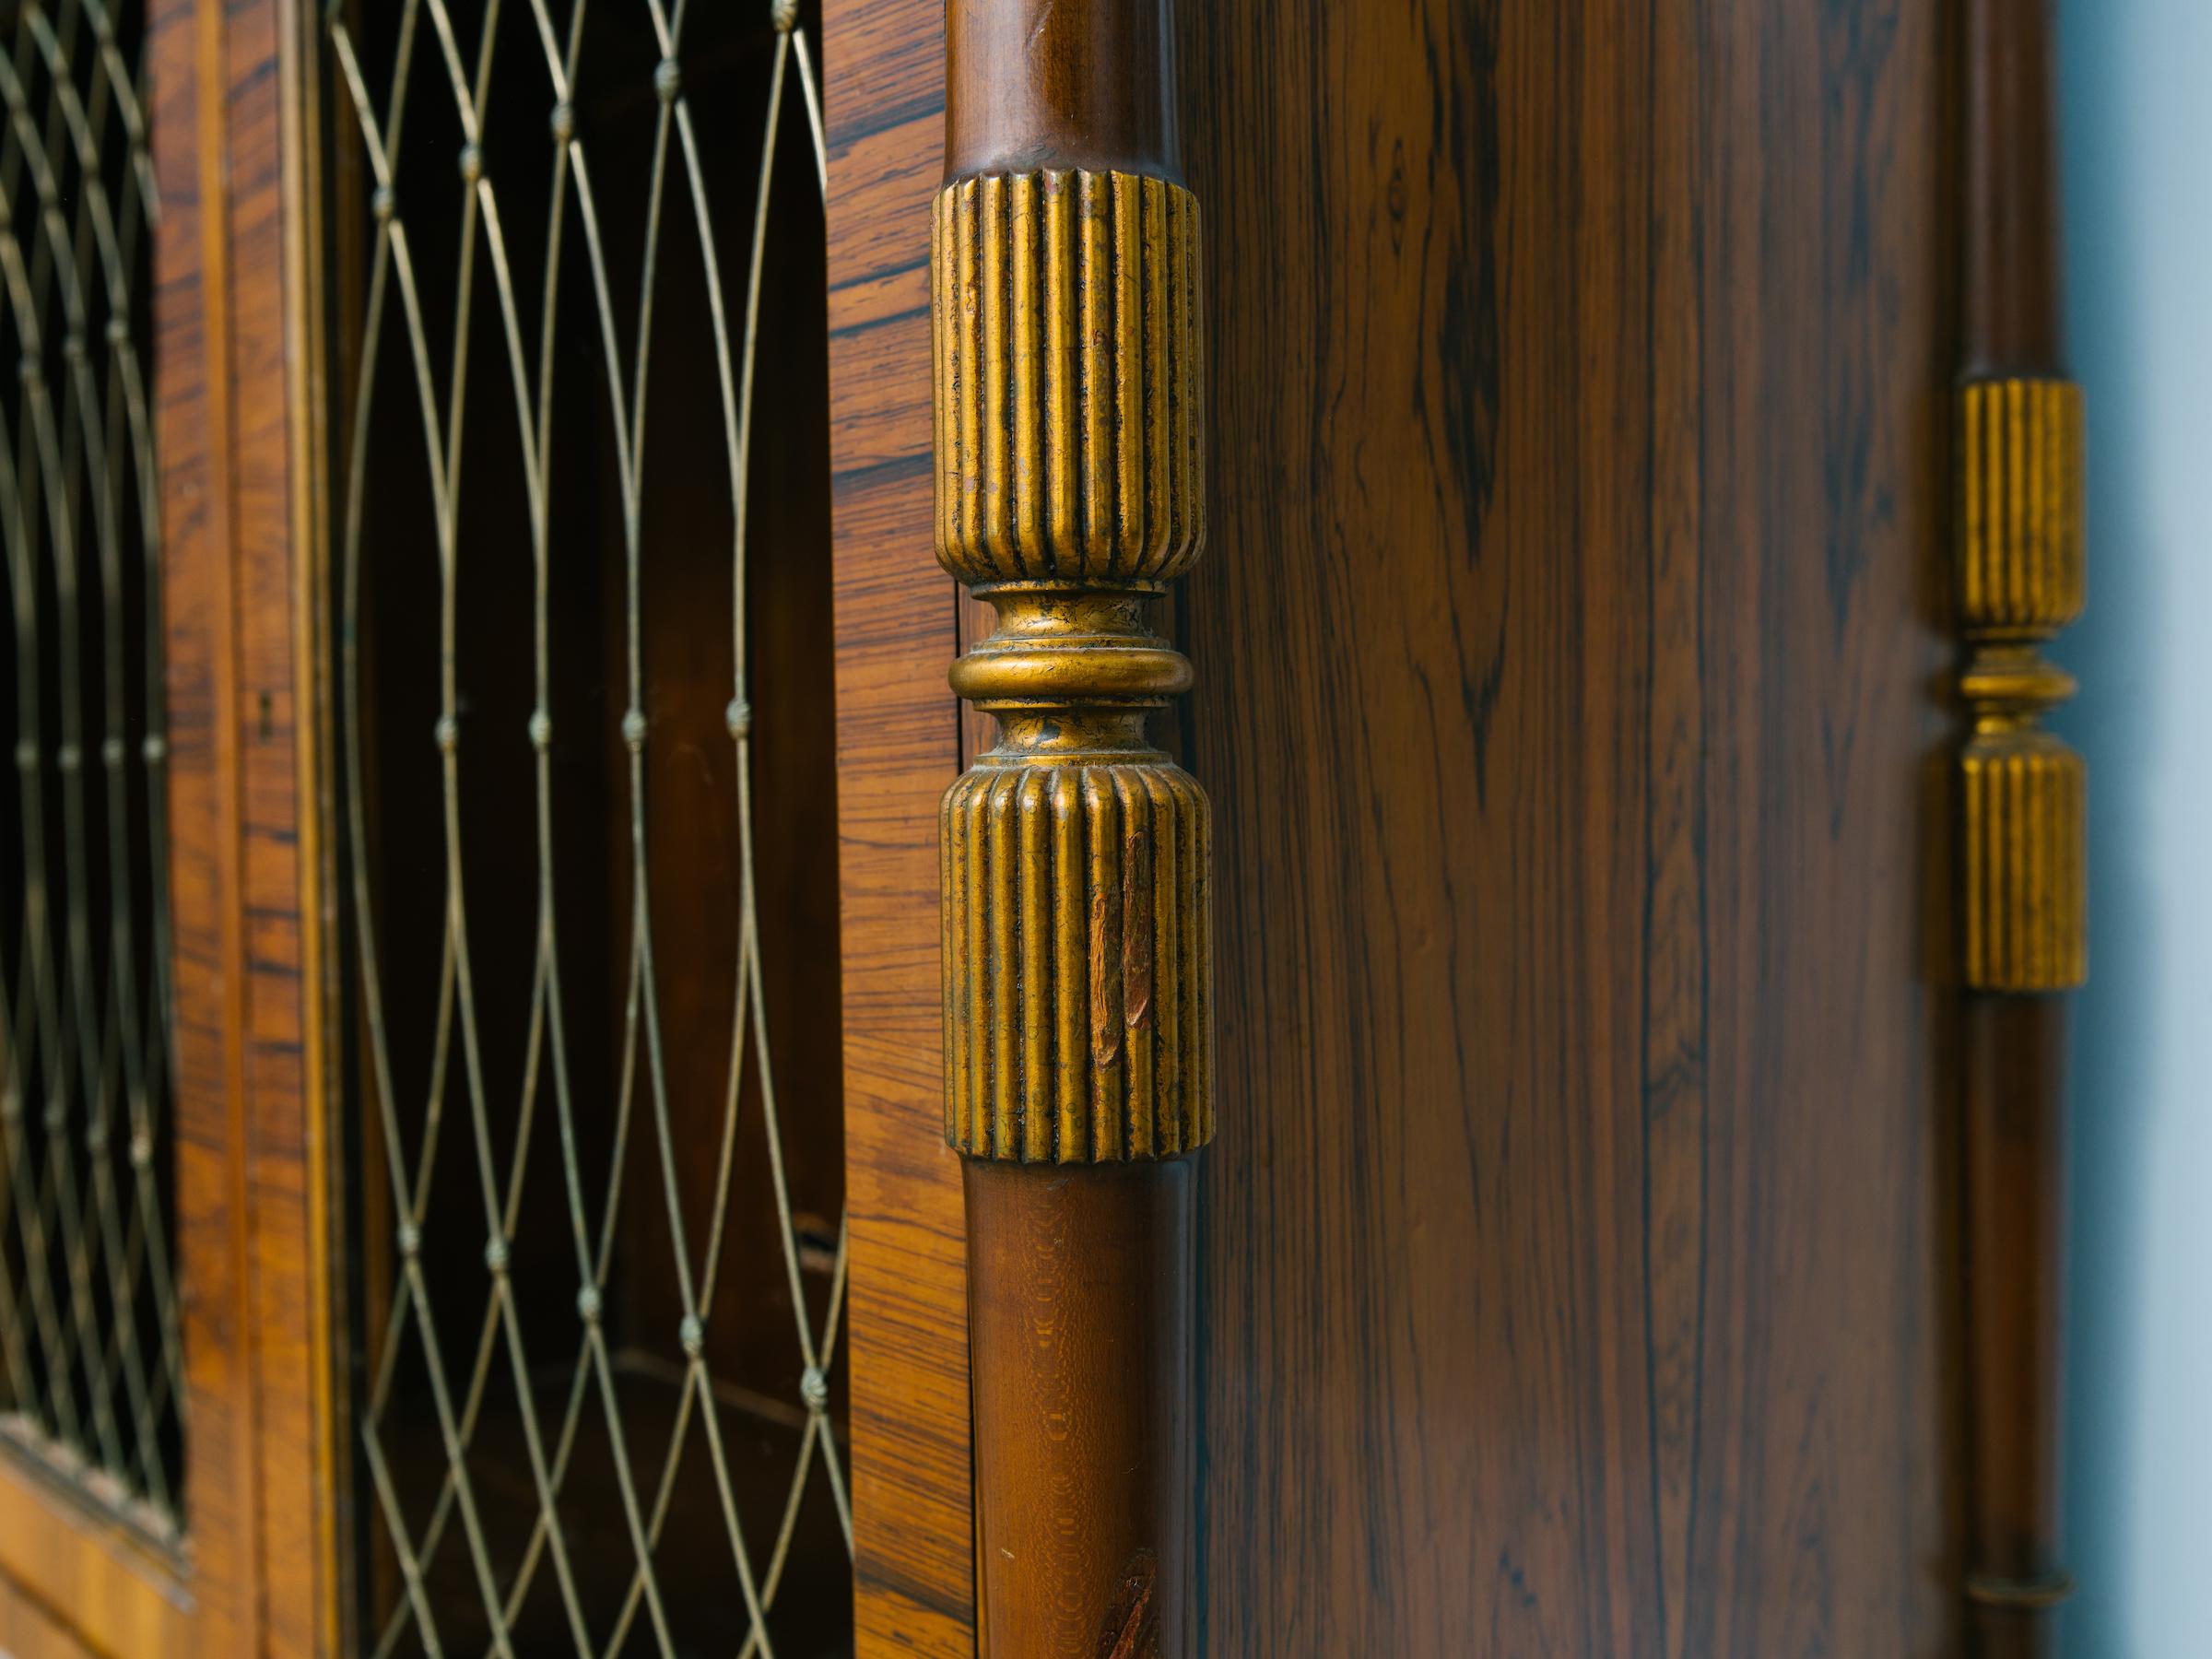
{"x":264,"y":1480}
{"x":2013,"y":321}
{"x":1572,"y":630}
{"x":1043,"y":84}
{"x":2013,"y":1058}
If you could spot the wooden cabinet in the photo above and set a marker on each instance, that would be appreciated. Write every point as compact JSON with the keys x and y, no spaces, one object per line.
{"x":1476,"y":1148}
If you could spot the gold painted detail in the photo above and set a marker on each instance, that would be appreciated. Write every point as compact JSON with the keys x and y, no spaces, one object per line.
{"x":2020,"y":542}
{"x":2024,"y":858}
{"x":2020,"y":580}
{"x":1080,"y":999}
{"x":1077,"y":924}
{"x":1068,"y":363}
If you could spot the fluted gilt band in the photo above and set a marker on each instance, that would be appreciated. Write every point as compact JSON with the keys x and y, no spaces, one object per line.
{"x":2024,"y":870}
{"x":1069,"y":367}
{"x":1077,"y":914}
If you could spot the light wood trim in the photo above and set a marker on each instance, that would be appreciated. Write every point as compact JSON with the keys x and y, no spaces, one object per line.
{"x":264,"y":1479}
{"x":74,"y":1582}
{"x":31,"y":1633}
{"x":194,"y":428}
{"x":897,"y":747}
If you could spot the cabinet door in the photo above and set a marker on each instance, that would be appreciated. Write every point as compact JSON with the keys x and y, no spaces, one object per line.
{"x":573,"y":596}
{"x":161,"y":1307}
{"x":472,"y":650}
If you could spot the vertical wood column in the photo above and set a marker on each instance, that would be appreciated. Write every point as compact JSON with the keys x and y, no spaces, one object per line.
{"x":2023,"y":873}
{"x":1077,"y":914}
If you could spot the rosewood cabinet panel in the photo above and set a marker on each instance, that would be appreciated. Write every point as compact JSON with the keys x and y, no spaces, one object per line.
{"x":1580,"y":418}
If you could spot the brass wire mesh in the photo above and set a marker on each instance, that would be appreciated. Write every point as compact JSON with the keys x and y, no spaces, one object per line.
{"x":468,"y":1364}
{"x":91,"y":1369}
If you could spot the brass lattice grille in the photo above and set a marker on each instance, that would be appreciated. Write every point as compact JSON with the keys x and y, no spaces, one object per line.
{"x":599,"y":1210}
{"x":91,"y":1371}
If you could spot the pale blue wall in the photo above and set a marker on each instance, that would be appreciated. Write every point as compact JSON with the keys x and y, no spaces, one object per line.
{"x":2137,"y":93}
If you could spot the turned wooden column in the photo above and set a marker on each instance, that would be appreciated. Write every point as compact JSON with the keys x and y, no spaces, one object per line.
{"x":2023,"y":873}
{"x":1077,"y":914}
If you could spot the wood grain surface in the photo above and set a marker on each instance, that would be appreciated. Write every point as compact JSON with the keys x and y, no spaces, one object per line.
{"x":897,"y":747}
{"x":32,"y":1629}
{"x":1570,"y":685}
{"x":261,"y":1474}
{"x":75,"y":1582}
{"x":1048,"y":84}
{"x":1080,"y":1304}
{"x":2013,"y":304}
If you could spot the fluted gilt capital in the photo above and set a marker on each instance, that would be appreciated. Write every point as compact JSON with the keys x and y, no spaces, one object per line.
{"x":1077,"y":948}
{"x":1070,"y":437}
{"x":2023,"y":794}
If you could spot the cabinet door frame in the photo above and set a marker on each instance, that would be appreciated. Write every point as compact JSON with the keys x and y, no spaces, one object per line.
{"x":237,"y":294}
{"x":258,"y":1569}
{"x":900,"y":742}
{"x":260,"y":1566}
